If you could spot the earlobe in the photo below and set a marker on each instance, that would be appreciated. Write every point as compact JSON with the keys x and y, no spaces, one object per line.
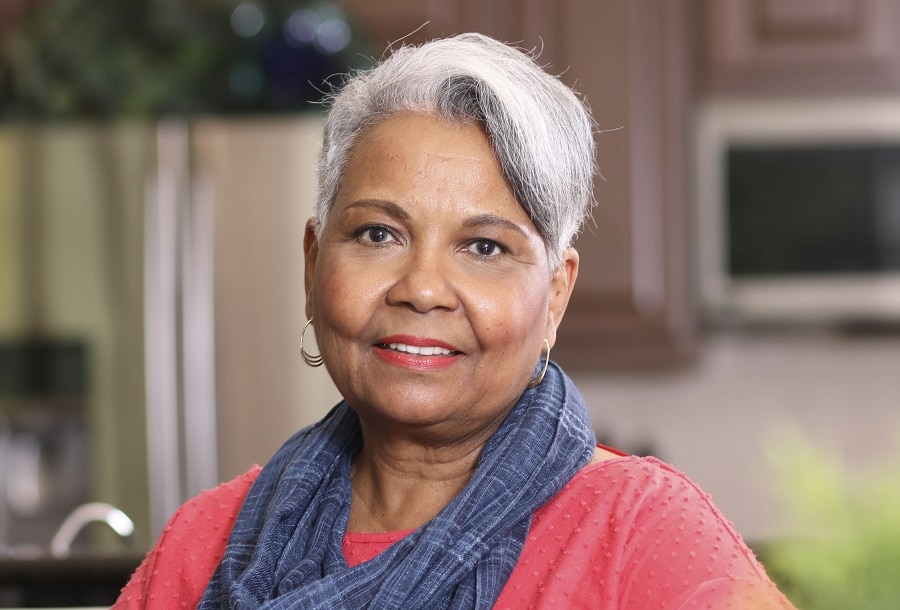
{"x":561,"y":285}
{"x":310,"y":253}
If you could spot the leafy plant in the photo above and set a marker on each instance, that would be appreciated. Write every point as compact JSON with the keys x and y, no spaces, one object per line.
{"x":123,"y":58}
{"x":849,"y":552}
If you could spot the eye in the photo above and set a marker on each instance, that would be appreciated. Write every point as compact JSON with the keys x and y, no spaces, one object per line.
{"x":375,"y":234}
{"x":485,"y":247}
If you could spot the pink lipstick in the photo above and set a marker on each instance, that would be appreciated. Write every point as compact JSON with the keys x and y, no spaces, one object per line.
{"x":416,"y":353}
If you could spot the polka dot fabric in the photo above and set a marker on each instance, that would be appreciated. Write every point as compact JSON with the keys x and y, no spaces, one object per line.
{"x":625,"y":533}
{"x":633,"y":533}
{"x":175,"y":572}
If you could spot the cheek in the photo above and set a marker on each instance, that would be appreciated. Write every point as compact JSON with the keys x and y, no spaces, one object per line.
{"x":513,"y":318}
{"x":336,"y":290}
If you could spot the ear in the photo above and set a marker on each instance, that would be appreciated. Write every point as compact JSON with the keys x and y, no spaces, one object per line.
{"x":310,"y":253}
{"x":561,"y":285}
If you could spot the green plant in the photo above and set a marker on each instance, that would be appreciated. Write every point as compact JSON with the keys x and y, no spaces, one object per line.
{"x":100,"y":59}
{"x":848,"y":556}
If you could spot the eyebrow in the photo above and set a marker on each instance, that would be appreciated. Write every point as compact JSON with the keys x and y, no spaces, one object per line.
{"x":391,"y":209}
{"x":493,"y":220}
{"x":481,"y":220}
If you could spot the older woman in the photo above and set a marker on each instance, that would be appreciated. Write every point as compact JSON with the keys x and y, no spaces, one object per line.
{"x":460,"y":470}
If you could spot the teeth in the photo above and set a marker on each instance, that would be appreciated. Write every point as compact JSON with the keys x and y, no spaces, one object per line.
{"x":421,"y":351}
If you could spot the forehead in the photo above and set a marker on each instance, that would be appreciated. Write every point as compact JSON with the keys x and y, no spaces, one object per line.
{"x":423,"y":133}
{"x":424,"y":155}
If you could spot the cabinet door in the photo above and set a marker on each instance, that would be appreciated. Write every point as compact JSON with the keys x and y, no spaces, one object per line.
{"x":629,"y":58}
{"x":802,"y":46}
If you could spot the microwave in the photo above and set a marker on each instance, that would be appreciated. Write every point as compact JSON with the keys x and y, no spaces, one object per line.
{"x":797,"y":211}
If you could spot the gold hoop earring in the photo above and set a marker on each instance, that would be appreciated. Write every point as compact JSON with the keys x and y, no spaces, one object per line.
{"x":316,"y":360}
{"x":534,"y":382}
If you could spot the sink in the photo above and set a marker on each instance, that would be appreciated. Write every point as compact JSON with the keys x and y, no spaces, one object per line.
{"x":79,"y":580}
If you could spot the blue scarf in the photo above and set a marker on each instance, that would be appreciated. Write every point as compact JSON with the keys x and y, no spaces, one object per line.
{"x":285,"y":550}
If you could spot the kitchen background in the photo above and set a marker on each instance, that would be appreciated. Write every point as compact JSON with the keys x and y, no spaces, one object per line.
{"x":157,"y":168}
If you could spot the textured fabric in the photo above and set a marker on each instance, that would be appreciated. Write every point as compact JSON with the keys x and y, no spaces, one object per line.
{"x":285,"y":547}
{"x":629,"y":533}
{"x":624,"y":534}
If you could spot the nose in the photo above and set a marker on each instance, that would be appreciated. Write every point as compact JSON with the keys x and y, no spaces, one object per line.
{"x":425,"y":282}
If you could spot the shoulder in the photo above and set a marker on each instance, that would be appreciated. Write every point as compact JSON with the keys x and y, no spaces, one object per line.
{"x":207,"y":519}
{"x":635,"y":485}
{"x":188,"y":551}
{"x":229,"y":492}
{"x":646,"y":494}
{"x":637,"y":532}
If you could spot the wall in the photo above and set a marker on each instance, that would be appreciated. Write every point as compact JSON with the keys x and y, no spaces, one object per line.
{"x":715,"y":420}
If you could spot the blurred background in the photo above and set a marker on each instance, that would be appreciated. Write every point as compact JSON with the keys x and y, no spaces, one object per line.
{"x":739,"y":295}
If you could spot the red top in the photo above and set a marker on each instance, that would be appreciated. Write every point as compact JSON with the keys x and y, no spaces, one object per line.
{"x":627,"y":532}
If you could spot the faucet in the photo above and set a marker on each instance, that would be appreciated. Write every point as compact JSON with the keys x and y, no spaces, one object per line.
{"x":92,"y":512}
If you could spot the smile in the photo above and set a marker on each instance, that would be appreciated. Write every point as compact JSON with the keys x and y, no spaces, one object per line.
{"x":419,"y":350}
{"x":417,"y":353}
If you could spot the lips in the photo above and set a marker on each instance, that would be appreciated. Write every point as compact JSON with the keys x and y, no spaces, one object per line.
{"x":417,"y":346}
{"x":418,"y":353}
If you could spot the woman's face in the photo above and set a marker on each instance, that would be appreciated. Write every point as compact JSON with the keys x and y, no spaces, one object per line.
{"x":429,"y":287}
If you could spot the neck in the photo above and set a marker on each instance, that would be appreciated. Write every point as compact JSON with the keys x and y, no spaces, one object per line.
{"x":401,"y":484}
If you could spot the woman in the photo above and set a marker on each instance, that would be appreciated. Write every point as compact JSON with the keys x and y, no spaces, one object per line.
{"x":460,"y":471}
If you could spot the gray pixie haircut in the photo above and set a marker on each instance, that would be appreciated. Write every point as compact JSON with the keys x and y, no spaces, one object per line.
{"x":540,"y":130}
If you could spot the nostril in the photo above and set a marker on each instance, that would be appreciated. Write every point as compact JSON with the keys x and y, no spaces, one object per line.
{"x":424,"y":286}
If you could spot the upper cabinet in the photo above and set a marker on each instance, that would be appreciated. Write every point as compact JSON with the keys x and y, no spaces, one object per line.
{"x":802,"y":47}
{"x":631,"y":60}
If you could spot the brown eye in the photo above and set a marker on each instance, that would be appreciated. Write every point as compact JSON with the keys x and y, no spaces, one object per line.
{"x":485,"y":247}
{"x":375,"y":234}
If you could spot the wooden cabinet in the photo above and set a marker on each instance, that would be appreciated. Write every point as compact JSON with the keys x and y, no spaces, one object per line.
{"x":804,"y":47}
{"x":631,"y":59}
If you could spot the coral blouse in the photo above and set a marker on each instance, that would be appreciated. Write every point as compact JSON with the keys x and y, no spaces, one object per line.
{"x":624,"y":533}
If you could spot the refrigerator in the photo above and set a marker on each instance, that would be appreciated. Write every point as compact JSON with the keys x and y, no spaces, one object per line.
{"x":167,"y":256}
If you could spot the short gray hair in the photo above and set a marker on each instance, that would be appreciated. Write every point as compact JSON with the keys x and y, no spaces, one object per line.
{"x":541,"y":131}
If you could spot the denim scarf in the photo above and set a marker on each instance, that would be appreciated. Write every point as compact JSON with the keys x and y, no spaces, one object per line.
{"x":285,"y":550}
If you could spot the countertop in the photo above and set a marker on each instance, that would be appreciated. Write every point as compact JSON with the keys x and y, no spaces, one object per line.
{"x":81,"y":580}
